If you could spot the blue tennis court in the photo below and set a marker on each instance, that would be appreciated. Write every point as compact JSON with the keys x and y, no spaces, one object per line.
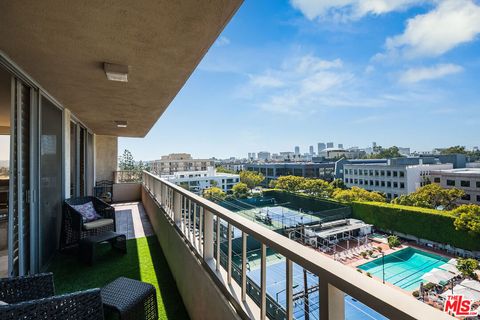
{"x":275,"y":279}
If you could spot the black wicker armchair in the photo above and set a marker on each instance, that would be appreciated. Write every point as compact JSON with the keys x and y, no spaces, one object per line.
{"x":73,"y":227}
{"x":85,"y":305}
{"x":20,"y":289}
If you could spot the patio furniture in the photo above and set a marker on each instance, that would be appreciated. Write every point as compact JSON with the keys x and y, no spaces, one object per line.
{"x":131,"y":299}
{"x":88,"y":244}
{"x":33,"y":297}
{"x":20,"y":289}
{"x":104,"y":190}
{"x":85,"y":305}
{"x":74,"y":228}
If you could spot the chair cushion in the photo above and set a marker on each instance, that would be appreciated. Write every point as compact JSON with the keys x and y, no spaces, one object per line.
{"x":97,"y":224}
{"x":87,"y":210}
{"x":3,"y":303}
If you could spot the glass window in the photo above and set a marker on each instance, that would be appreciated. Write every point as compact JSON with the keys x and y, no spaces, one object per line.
{"x":465,"y":183}
{"x":402,"y":174}
{"x":395,"y":184}
{"x":466,"y":197}
{"x":402,"y":185}
{"x":389,"y":184}
{"x":395,"y":173}
{"x":436,"y":180}
{"x":478,"y":184}
{"x":450,"y":182}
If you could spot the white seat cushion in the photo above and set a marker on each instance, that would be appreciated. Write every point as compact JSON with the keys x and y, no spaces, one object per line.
{"x":97,"y":224}
{"x":3,"y":303}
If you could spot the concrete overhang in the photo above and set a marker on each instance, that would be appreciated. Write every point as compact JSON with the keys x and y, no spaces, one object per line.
{"x":63,"y":46}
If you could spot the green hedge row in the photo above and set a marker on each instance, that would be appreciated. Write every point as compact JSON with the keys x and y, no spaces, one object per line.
{"x":420,"y":222}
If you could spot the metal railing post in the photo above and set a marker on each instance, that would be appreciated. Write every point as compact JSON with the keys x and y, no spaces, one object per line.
{"x":244,"y":266}
{"x":208,"y":236}
{"x":229,"y":254}
{"x":289,"y":289}
{"x":263,"y":283}
{"x":217,"y":267}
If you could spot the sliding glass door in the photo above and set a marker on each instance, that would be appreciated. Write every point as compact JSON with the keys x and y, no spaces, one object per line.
{"x":50,"y":212}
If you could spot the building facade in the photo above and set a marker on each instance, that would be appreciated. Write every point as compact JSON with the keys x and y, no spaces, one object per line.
{"x":466,"y":179}
{"x":197,"y":181}
{"x":395,"y":178}
{"x":179,"y":162}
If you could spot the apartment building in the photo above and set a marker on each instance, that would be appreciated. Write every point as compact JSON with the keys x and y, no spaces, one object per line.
{"x":395,"y":178}
{"x":466,"y":179}
{"x":197,"y":181}
{"x":176,"y":162}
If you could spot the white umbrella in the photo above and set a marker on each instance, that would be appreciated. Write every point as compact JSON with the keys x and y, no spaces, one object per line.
{"x":450,"y":266}
{"x":438,"y":276}
{"x":469,"y":289}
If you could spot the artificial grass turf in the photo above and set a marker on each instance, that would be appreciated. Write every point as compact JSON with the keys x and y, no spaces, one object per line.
{"x":144,"y":261}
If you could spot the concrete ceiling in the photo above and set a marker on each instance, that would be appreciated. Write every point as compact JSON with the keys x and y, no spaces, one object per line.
{"x":63,"y":45}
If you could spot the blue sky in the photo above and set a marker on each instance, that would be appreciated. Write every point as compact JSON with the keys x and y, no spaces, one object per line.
{"x":286,"y":73}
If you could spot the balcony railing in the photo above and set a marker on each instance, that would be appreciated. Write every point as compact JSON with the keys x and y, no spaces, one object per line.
{"x":200,"y":223}
{"x":127,"y":176}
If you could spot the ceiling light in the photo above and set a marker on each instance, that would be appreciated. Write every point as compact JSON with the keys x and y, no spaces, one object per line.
{"x":116,"y":72}
{"x":121,"y":123}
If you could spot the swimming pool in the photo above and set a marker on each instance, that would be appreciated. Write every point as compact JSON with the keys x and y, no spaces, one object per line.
{"x":405,"y":267}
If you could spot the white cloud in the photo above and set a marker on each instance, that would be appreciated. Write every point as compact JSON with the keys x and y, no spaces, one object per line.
{"x":300,"y":85}
{"x":429,"y":73}
{"x":450,"y":24}
{"x":222,"y":41}
{"x":350,"y":9}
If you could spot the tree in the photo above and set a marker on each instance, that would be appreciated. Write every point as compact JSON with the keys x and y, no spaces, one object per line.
{"x":251,"y":178}
{"x":393,"y":241}
{"x":467,"y":267}
{"x":127,"y":163}
{"x":184,"y":185}
{"x":357,"y":194}
{"x":290,"y":183}
{"x":224,"y":170}
{"x":431,"y":196}
{"x":317,"y":187}
{"x":214,"y":194}
{"x":381,"y":153}
{"x":338,"y":184}
{"x":240,"y":190}
{"x":454,"y":150}
{"x":272,"y":184}
{"x":467,"y":218}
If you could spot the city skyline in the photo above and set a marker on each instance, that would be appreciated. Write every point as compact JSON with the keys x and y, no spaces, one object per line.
{"x":287,"y":73}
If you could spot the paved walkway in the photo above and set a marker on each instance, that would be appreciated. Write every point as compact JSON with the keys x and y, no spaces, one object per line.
{"x":132,"y":220}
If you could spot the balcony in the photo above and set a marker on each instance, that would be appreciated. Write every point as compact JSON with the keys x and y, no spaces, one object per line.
{"x":184,"y":261}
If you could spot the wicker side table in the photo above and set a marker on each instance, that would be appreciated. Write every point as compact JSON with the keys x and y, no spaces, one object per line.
{"x":131,"y":299}
{"x":88,"y":244}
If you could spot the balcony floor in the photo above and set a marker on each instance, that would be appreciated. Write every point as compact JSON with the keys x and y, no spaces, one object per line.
{"x":144,"y":261}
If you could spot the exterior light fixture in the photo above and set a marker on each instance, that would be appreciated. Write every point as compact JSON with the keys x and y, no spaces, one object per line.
{"x":116,"y":72}
{"x":121,"y":123}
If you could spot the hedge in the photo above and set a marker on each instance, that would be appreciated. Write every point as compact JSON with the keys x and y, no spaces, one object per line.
{"x":423,"y":223}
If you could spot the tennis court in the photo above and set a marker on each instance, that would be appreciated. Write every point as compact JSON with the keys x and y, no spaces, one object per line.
{"x":275,"y":280}
{"x":279,"y":216}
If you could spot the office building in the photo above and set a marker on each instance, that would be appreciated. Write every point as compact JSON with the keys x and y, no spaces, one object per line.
{"x":466,"y":179}
{"x":297,"y":150}
{"x":397,"y":177}
{"x":197,"y":181}
{"x":263,"y":156}
{"x":340,"y":146}
{"x":329,"y":145}
{"x":312,"y":152}
{"x":175,"y":162}
{"x":321,"y":146}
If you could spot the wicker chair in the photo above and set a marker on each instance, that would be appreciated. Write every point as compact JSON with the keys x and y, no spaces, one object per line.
{"x":20,"y":289}
{"x":73,"y":227}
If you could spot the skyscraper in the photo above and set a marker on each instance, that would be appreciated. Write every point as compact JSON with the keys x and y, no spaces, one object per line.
{"x":329,"y":144}
{"x":340,"y":146}
{"x":297,"y":150}
{"x":321,"y":146}
{"x":311,"y":150}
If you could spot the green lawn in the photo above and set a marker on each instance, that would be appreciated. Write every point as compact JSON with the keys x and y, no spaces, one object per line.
{"x":144,"y":261}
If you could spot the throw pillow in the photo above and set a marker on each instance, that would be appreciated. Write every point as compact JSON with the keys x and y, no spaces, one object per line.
{"x":87,"y":211}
